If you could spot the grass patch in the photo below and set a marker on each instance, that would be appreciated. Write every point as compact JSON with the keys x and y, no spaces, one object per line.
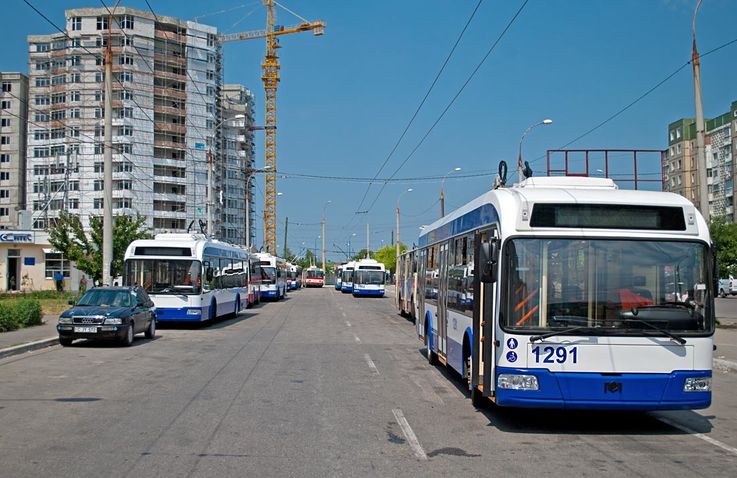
{"x":51,"y":301}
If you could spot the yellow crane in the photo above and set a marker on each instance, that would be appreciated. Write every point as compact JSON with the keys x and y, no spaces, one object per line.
{"x":270,"y":77}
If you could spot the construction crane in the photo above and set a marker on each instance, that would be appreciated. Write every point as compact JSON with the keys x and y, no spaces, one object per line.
{"x":270,"y":77}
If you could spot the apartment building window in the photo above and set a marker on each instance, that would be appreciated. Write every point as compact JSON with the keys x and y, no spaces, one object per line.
{"x":125,"y":131}
{"x":102,"y":23}
{"x":75,"y":78}
{"x":126,"y":95}
{"x":97,"y":203}
{"x":42,"y":65}
{"x":75,"y":113}
{"x":210,"y":91}
{"x":124,"y":185}
{"x":42,"y":100}
{"x":58,"y":133}
{"x":125,"y":60}
{"x":99,"y":77}
{"x":76,"y":23}
{"x":76,"y":43}
{"x":98,"y":95}
{"x":679,"y":148}
{"x":99,"y":185}
{"x":678,"y":133}
{"x":99,"y":148}
{"x":126,"y":41}
{"x":42,"y":81}
{"x":100,"y":42}
{"x":4,"y":158}
{"x":98,"y":113}
{"x":125,"y":148}
{"x":58,"y":115}
{"x":58,"y":80}
{"x":126,"y":22}
{"x":42,"y":47}
{"x":7,"y":87}
{"x":5,"y":122}
{"x":73,"y":203}
{"x":75,"y":60}
{"x":74,"y":131}
{"x":4,"y":139}
{"x":125,"y":113}
{"x":57,"y":151}
{"x":56,"y":262}
{"x":4,"y":211}
{"x":40,"y":153}
{"x":123,"y":203}
{"x":126,"y":76}
{"x":75,"y":96}
{"x":4,"y":176}
{"x":5,"y":104}
{"x":4,"y":193}
{"x":58,"y":98}
{"x":98,"y":130}
{"x":672,"y":135}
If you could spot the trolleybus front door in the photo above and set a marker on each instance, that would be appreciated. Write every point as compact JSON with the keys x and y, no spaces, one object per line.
{"x":484,"y":287}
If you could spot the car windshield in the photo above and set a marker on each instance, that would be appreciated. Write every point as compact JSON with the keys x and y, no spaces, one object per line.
{"x":612,"y":286}
{"x":369,"y":277}
{"x":164,"y":276}
{"x":107,"y":298}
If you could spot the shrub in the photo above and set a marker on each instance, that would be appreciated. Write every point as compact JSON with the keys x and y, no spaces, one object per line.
{"x":20,"y":313}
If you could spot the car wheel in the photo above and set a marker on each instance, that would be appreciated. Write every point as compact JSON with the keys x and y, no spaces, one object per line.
{"x":722,"y":294}
{"x":65,"y":341}
{"x":151,"y":330}
{"x":128,"y":339}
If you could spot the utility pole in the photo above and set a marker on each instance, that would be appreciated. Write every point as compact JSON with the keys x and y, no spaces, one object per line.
{"x":107,"y":218}
{"x":286,"y":226}
{"x":66,"y":184}
{"x":368,"y":242}
{"x":323,"y":243}
{"x":700,"y":127}
{"x":209,"y":191}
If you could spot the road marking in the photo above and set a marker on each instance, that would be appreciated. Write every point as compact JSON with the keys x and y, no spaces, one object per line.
{"x":426,"y":392}
{"x":344,"y":314}
{"x":701,"y":436}
{"x":347,"y":323}
{"x":726,"y":365}
{"x":414,"y":443}
{"x":371,"y":364}
{"x":357,"y":339}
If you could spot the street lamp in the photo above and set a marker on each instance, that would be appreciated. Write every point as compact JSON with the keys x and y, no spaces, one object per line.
{"x":209,"y":174}
{"x":349,"y":245}
{"x":249,"y":175}
{"x":442,"y":194}
{"x":519,"y":157}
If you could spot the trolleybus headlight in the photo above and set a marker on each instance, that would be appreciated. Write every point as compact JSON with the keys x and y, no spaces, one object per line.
{"x":697,"y":384}
{"x":517,"y":382}
{"x":194,"y":312}
{"x":113,"y":321}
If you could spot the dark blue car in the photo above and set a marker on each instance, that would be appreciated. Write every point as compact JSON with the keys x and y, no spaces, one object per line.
{"x":112,"y":313}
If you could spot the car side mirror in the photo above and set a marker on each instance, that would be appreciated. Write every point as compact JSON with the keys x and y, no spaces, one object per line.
{"x":488,"y":261}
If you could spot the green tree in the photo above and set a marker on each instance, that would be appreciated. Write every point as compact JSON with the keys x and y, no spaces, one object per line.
{"x":724,"y":236}
{"x":387,"y":255}
{"x":361,"y":255}
{"x":85,"y":249}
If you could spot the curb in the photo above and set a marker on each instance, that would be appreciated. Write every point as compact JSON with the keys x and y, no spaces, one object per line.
{"x":29,"y":347}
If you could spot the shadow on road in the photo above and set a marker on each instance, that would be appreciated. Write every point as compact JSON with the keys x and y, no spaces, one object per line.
{"x":579,"y":422}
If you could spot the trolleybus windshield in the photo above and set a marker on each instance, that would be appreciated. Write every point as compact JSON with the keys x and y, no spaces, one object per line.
{"x":164,"y":276}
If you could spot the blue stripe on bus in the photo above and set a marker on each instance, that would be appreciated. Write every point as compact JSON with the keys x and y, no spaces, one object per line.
{"x":485,"y":214}
{"x":369,"y":292}
{"x":174,"y":314}
{"x":575,"y":390}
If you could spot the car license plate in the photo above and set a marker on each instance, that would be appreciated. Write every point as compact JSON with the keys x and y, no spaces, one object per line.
{"x":86,"y":330}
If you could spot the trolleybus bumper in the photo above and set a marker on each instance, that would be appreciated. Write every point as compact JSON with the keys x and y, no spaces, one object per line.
{"x":182,"y":314}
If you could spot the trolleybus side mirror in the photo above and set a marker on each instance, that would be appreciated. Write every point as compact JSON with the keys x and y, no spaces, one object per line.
{"x":488,"y":261}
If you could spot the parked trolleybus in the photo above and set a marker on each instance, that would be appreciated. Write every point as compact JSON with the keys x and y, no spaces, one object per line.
{"x":368,"y":278}
{"x":346,"y":284}
{"x":189,"y":277}
{"x":292,"y":276}
{"x":565,"y":292}
{"x":338,"y":278}
{"x":406,"y":282}
{"x":273,"y":276}
{"x":314,"y":277}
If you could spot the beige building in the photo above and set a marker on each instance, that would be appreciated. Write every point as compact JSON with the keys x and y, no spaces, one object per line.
{"x":13,"y":117}
{"x":680,"y":168}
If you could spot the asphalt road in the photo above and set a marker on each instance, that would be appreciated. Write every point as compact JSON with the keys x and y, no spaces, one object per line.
{"x":321,"y":384}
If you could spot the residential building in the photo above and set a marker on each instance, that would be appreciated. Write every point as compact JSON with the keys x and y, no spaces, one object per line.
{"x":13,"y":111}
{"x":167,"y":79}
{"x":680,"y":167}
{"x":237,"y":165}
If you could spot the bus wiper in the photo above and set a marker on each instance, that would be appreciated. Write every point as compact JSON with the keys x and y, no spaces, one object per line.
{"x":542,"y":337}
{"x":673,"y":336}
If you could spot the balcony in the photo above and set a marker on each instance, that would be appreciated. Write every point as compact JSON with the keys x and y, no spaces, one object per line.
{"x":170,"y":75}
{"x":165,"y":127}
{"x":170,"y":93}
{"x":170,"y":36}
{"x":169,"y":110}
{"x":170,"y":59}
{"x":169,"y":144}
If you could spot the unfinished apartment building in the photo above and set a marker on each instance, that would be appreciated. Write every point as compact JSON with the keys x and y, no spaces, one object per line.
{"x":13,"y":110}
{"x":167,"y":79}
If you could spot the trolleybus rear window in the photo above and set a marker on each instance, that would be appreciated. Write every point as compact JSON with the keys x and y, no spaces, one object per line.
{"x":608,"y":216}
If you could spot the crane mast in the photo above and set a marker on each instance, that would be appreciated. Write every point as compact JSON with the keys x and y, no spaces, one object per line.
{"x":270,"y":78}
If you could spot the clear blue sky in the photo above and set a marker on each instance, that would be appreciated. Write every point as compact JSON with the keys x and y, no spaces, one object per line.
{"x":345,"y":97}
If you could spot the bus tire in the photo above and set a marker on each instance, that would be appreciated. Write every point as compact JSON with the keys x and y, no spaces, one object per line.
{"x":432,"y":357}
{"x":213,"y":312}
{"x":722,"y":294}
{"x":237,"y":307}
{"x":477,"y":399}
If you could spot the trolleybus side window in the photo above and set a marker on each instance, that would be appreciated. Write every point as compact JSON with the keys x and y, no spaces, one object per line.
{"x":460,"y":276}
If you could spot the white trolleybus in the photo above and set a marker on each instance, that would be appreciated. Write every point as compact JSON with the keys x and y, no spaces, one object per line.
{"x":273,"y":276}
{"x":189,"y":277}
{"x":566,"y":292}
{"x":338,"y":278}
{"x":368,"y":278}
{"x":346,"y":282}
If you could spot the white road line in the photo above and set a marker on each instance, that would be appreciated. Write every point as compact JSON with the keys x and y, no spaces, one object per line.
{"x":344,"y":315}
{"x":409,"y":434}
{"x":347,"y":323}
{"x":357,"y":339}
{"x":371,"y":364}
{"x":701,"y":436}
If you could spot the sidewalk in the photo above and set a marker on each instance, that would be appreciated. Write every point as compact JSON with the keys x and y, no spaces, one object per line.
{"x":38,"y":335}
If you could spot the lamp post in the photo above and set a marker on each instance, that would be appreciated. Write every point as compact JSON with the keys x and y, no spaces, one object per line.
{"x":409,"y":190}
{"x":442,"y":193}
{"x":519,"y":157}
{"x":314,"y":251}
{"x":249,"y":176}
{"x":349,"y":245}
{"x":209,"y":174}
{"x":700,"y":127}
{"x":324,"y":222}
